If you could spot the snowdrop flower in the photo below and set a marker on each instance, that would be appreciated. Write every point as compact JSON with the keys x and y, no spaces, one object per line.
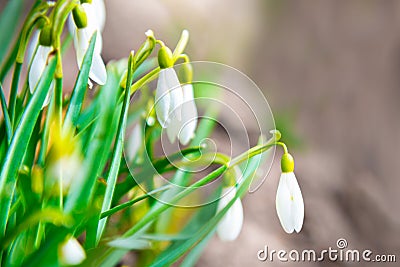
{"x":229,"y":227}
{"x":135,"y":142}
{"x":185,"y":128}
{"x":169,"y":97}
{"x":95,"y":14}
{"x":174,"y":104}
{"x":189,"y":115}
{"x":38,"y":62}
{"x":71,"y":252}
{"x":289,"y":200}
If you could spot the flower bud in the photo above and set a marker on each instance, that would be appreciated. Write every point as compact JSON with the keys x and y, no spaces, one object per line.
{"x":165,"y":58}
{"x":186,"y":73}
{"x":80,"y":18}
{"x":287,"y":163}
{"x":41,"y":22}
{"x":45,"y":35}
{"x":145,"y":50}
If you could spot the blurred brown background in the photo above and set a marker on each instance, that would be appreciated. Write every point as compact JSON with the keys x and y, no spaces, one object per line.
{"x":332,"y":68}
{"x":331,"y":71}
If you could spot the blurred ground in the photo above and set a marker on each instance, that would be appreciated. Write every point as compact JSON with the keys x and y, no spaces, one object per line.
{"x":333,"y":65}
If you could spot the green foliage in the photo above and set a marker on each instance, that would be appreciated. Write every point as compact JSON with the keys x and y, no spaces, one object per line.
{"x":65,"y":176}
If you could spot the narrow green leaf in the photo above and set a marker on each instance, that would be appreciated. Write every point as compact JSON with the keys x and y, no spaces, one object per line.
{"x":8,"y":24}
{"x":131,"y":202}
{"x":169,"y":256}
{"x":117,"y":153}
{"x":19,"y":143}
{"x":80,"y":87}
{"x":5,"y":115}
{"x":130,"y":243}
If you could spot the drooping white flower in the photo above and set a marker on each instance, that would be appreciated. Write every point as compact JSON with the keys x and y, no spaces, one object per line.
{"x":230,"y":225}
{"x":289,"y":203}
{"x":135,"y":142}
{"x":189,"y":115}
{"x":95,"y":13}
{"x":71,"y":252}
{"x":168,"y":100}
{"x":37,"y":56}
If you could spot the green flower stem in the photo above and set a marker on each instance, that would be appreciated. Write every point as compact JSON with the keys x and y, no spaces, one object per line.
{"x":37,"y":13}
{"x":144,"y":80}
{"x":133,"y":201}
{"x":117,"y":151}
{"x":273,"y":141}
{"x":153,"y":214}
{"x":185,"y":58}
{"x":6,"y":117}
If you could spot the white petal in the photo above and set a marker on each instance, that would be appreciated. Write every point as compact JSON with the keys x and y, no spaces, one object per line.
{"x":173,"y":129}
{"x":96,"y":14}
{"x":230,"y":225}
{"x":298,"y":202}
{"x":71,"y":25}
{"x":49,"y":94}
{"x":98,"y":72}
{"x":81,"y":42}
{"x":71,"y":252}
{"x":175,"y":92}
{"x":162,"y":99}
{"x":32,"y":47}
{"x":134,"y":142}
{"x":189,"y":115}
{"x":38,"y":65}
{"x":284,"y":204}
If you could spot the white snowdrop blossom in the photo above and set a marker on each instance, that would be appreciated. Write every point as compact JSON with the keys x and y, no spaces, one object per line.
{"x":289,"y":203}
{"x":175,"y":107}
{"x":134,"y":143}
{"x":96,"y":15}
{"x":229,"y":227}
{"x":189,"y":115}
{"x":71,"y":252}
{"x":38,"y":62}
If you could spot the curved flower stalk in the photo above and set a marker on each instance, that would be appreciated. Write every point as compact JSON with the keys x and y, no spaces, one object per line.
{"x":38,"y":62}
{"x":71,"y":252}
{"x":95,"y":14}
{"x":289,"y":200}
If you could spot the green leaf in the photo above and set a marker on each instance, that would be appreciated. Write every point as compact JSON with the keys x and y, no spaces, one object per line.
{"x":19,"y":144}
{"x":8,"y":24}
{"x":130,"y":243}
{"x":117,"y":153}
{"x":80,"y":87}
{"x":6,"y":117}
{"x":169,"y":256}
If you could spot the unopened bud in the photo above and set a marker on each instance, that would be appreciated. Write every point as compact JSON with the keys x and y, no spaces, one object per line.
{"x":45,"y":35}
{"x":80,"y":18}
{"x":165,"y":58}
{"x":287,"y":163}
